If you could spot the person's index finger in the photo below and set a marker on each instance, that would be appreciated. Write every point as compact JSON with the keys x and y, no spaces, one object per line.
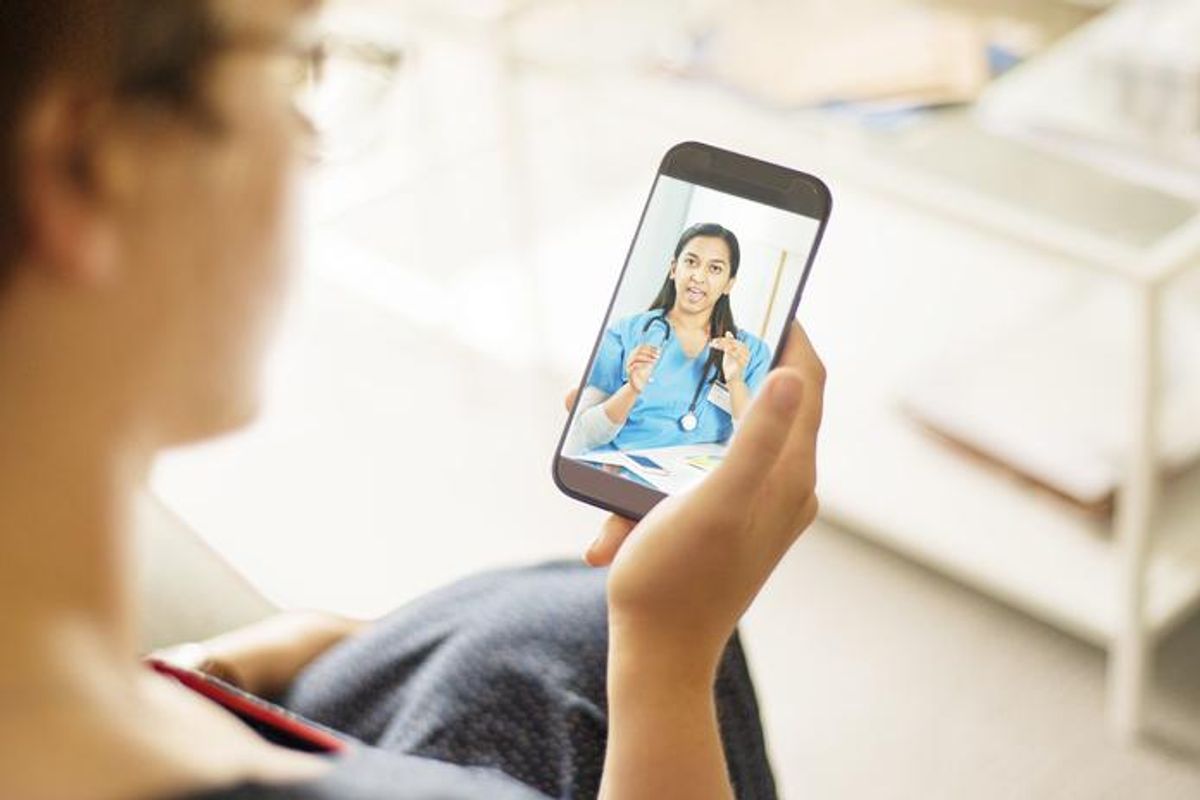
{"x":613,"y":533}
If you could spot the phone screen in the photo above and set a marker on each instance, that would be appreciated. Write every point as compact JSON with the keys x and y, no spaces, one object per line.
{"x":709,"y":287}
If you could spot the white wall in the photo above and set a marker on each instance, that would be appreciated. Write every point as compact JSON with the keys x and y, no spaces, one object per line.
{"x":650,"y":260}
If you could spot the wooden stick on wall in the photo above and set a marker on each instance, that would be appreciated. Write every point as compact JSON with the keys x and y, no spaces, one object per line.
{"x":783,"y":255}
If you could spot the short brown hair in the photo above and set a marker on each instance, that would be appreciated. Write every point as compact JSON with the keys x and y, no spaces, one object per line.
{"x":126,"y":50}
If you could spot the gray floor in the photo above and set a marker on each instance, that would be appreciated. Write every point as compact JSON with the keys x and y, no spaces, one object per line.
{"x":881,"y":679}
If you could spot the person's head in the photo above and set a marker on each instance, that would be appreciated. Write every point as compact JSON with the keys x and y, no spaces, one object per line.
{"x":703,"y":271}
{"x":145,"y":154}
{"x":702,"y":274}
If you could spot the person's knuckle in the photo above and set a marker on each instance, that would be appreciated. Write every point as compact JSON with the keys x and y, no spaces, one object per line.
{"x":808,"y":482}
{"x":812,"y":509}
{"x":817,"y":371}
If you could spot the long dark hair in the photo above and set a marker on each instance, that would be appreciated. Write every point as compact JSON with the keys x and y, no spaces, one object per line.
{"x":721,"y":320}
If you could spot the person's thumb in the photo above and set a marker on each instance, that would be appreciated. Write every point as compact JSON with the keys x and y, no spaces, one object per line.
{"x":761,"y":436}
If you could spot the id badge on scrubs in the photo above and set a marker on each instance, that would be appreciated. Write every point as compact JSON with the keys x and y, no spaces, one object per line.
{"x":718,"y":395}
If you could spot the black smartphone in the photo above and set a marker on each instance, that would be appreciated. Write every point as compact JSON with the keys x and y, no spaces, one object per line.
{"x":698,"y":317}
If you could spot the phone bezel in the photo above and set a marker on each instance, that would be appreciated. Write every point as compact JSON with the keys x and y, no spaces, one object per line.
{"x":725,"y":171}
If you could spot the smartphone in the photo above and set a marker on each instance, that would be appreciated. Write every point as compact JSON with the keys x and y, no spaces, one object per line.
{"x":273,"y":722}
{"x":697,"y":319}
{"x":647,"y":463}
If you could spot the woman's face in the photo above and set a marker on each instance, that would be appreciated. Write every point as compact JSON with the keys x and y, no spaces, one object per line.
{"x":201,"y":232}
{"x":701,"y":274}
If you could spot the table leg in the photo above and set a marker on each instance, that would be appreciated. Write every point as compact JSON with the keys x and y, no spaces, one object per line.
{"x":1131,"y":648}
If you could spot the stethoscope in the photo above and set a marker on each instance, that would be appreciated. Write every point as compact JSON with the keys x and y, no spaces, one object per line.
{"x":689,"y":420}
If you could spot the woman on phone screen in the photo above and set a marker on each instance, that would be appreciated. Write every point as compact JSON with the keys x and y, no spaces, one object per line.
{"x":681,"y":372}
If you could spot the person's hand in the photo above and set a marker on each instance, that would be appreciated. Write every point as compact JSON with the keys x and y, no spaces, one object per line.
{"x":735,"y":356}
{"x":263,"y":658}
{"x":639,"y":366}
{"x":683,"y":576}
{"x":199,"y":657}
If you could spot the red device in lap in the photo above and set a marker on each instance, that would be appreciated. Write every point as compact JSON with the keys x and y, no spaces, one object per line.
{"x":274,"y":723}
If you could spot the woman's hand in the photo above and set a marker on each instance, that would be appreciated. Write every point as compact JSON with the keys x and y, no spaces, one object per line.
{"x":683,"y":576}
{"x":735,"y":358}
{"x":265,"y":657}
{"x":639,"y":366}
{"x":199,"y":657}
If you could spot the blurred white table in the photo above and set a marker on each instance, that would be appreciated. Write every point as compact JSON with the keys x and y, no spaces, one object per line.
{"x":1021,"y":547}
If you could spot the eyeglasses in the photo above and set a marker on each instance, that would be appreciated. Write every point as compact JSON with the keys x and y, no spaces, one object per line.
{"x":338,"y":86}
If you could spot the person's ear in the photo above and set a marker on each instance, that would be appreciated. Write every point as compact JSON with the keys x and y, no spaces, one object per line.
{"x":729,"y":286}
{"x":68,"y":228}
{"x":671,"y":272}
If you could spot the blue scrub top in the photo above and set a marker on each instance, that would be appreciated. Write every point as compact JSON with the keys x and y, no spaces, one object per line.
{"x":654,"y":419}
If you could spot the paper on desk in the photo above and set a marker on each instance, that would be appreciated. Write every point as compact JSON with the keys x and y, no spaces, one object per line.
{"x":681,"y":475}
